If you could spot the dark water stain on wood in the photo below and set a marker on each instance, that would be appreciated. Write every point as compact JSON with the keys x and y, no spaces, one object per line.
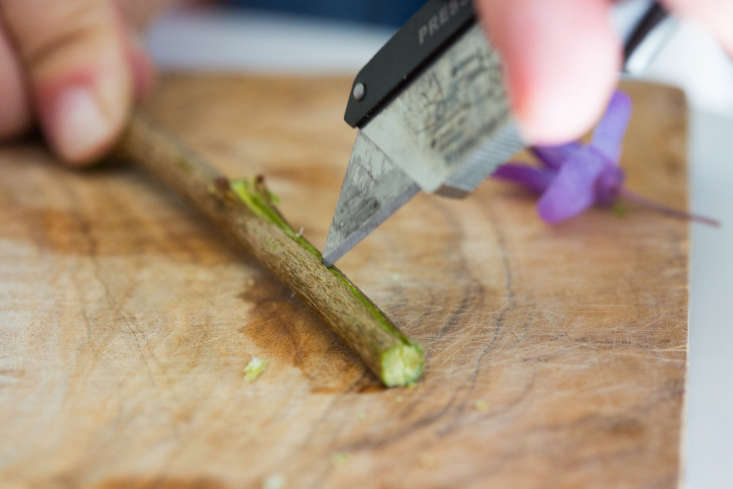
{"x":627,"y":428}
{"x":281,"y":325}
{"x":109,"y":234}
{"x":111,"y":210}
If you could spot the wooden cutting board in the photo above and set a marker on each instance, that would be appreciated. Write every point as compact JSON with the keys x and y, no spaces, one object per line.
{"x":555,"y":355}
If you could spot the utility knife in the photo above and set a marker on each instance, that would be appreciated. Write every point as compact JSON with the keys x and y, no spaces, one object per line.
{"x":433,"y":113}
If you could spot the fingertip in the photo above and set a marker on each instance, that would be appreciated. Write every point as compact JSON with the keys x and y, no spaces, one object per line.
{"x":559,"y":107}
{"x":78,"y":123}
{"x":561,"y":62}
{"x":80,"y":80}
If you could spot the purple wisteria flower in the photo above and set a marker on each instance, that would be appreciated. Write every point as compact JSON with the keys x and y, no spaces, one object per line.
{"x":575,"y":176}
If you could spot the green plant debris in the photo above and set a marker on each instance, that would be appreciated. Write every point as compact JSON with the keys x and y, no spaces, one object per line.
{"x":340,"y":458}
{"x":481,"y":406}
{"x":620,"y":209}
{"x":400,"y":365}
{"x":274,"y":481}
{"x":254,"y":369}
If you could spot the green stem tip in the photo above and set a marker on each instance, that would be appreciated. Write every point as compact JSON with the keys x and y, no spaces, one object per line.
{"x":400,"y":365}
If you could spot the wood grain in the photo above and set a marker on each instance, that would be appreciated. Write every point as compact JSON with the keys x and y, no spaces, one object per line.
{"x":246,"y":210}
{"x":556,"y":356}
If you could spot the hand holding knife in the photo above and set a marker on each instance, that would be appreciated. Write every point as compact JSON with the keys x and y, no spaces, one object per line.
{"x":433,"y":114}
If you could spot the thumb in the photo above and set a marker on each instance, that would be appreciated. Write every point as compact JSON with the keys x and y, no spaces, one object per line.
{"x":74,"y":56}
{"x":561,"y":57}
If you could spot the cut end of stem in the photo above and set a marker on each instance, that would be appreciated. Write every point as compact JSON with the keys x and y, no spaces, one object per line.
{"x":402,"y":365}
{"x":399,"y":366}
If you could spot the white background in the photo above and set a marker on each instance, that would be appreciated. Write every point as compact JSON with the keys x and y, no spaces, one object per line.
{"x":252,"y":41}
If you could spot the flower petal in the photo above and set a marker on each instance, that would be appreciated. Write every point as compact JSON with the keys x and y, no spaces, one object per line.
{"x":573,"y":191}
{"x":554,"y":156}
{"x":535,"y":179}
{"x":609,"y":135}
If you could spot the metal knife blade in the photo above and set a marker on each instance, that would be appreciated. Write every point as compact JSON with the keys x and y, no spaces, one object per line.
{"x":444,"y":128}
{"x":445,"y":133}
{"x":373,"y":190}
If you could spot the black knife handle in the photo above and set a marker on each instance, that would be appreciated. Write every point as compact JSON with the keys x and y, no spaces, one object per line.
{"x":654,"y":16}
{"x":424,"y":37}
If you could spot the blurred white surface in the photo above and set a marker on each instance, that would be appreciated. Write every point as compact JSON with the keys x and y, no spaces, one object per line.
{"x":217,"y":39}
{"x":693,"y":61}
{"x":709,"y":436}
{"x":251,"y":41}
